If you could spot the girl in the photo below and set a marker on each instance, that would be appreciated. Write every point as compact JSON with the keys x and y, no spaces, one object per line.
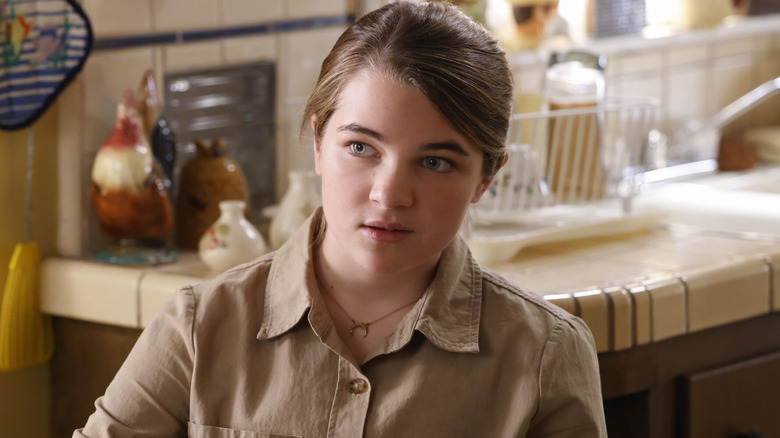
{"x":374,"y":320}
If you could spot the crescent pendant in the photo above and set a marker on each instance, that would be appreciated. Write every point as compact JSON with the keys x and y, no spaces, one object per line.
{"x":359,"y":325}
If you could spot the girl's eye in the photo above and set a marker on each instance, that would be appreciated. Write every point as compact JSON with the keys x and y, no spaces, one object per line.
{"x":437,"y":164}
{"x":360,"y":149}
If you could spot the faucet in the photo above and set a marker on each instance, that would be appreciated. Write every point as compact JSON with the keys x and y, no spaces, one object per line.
{"x":702,"y":139}
{"x":742,"y":105}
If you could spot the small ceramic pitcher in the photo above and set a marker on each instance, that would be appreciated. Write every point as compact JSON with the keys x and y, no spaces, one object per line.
{"x":231,"y":240}
{"x":300,"y":200}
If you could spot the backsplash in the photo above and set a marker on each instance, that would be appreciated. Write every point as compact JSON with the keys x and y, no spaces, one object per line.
{"x":175,"y":36}
{"x":691,"y":75}
{"x":234,"y":103}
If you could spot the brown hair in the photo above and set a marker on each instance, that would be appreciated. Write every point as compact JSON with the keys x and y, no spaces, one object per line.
{"x":454,"y":61}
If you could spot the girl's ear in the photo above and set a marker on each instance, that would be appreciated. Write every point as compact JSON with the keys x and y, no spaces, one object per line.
{"x":317,"y":146}
{"x":485,"y":183}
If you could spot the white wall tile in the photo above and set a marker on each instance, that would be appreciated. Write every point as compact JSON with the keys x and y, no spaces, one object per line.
{"x":237,"y":12}
{"x":686,"y":54}
{"x":192,"y":55}
{"x":731,"y":78}
{"x":71,"y":240}
{"x":649,"y":85}
{"x":370,"y":5}
{"x":734,"y":47}
{"x":300,"y":59}
{"x":301,"y":55}
{"x":172,"y":15}
{"x":119,"y":17}
{"x":249,"y":49}
{"x":686,"y":95}
{"x":762,"y":43}
{"x":106,"y":75}
{"x":768,"y":68}
{"x":637,"y":63}
{"x":314,"y":8}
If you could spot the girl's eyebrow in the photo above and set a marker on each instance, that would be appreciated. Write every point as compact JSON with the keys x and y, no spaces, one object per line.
{"x":354,"y":127}
{"x":446,"y":145}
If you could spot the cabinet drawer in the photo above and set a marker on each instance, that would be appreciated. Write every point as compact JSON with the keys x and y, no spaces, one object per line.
{"x":739,"y":399}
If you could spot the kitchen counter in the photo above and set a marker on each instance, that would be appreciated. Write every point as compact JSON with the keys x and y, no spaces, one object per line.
{"x":663,"y":305}
{"x":124,"y":296}
{"x":632,"y":289}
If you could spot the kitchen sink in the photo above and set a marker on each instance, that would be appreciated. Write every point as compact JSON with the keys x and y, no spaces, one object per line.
{"x":762,"y":179}
{"x":746,"y":201}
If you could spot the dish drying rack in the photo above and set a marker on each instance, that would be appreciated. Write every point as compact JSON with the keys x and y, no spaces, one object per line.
{"x":569,"y":168}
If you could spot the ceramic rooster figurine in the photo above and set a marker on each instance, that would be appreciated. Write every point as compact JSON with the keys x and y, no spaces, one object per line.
{"x":128,"y":190}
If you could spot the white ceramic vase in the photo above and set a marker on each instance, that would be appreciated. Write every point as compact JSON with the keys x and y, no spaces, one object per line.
{"x":300,"y":200}
{"x":231,"y":240}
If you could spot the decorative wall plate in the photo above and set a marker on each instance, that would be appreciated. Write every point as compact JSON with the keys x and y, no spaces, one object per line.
{"x":43,"y":45}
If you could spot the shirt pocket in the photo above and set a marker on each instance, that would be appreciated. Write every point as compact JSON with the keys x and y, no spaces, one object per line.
{"x":200,"y":431}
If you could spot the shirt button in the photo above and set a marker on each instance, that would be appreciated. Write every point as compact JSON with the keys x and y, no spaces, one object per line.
{"x":358,"y":386}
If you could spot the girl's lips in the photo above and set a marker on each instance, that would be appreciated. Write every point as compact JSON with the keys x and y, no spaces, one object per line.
{"x":386,"y":232}
{"x":389,"y":226}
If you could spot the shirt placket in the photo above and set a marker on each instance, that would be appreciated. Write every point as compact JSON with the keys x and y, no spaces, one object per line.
{"x":350,"y":402}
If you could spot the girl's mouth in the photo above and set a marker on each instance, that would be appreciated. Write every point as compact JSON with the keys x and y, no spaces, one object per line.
{"x":387,"y":226}
{"x":386,"y":232}
{"x":387,"y":229}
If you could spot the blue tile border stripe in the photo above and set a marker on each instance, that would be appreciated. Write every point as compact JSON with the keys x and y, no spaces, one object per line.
{"x":219,"y":33}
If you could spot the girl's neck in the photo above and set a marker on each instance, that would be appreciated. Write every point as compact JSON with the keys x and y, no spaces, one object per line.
{"x":366,"y":307}
{"x":367,"y":293}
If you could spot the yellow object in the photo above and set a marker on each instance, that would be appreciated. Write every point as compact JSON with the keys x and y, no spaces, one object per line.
{"x":26,"y":336}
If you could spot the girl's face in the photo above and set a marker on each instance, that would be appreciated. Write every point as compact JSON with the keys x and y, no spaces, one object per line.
{"x":397,"y":178}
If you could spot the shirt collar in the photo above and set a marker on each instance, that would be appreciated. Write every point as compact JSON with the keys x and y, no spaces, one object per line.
{"x":290,"y":279}
{"x":448,"y":313}
{"x":452,"y":304}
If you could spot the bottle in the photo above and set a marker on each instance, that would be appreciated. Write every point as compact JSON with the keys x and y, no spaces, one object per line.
{"x":163,"y":143}
{"x":297,"y":204}
{"x":231,"y":240}
{"x":575,"y":87}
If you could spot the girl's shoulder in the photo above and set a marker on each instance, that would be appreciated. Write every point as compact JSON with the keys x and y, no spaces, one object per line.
{"x":521,"y":303}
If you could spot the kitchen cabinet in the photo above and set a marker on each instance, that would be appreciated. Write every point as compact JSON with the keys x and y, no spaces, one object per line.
{"x":86,"y":358}
{"x":719,"y":383}
{"x":739,"y":399}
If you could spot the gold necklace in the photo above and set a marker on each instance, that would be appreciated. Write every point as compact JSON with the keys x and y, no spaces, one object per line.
{"x":357,"y":324}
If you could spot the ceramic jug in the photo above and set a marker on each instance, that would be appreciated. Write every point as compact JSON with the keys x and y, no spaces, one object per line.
{"x":300,"y":200}
{"x":231,"y":240}
{"x":207,"y":179}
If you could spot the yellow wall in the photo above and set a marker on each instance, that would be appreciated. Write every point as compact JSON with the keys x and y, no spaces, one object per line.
{"x":24,"y":394}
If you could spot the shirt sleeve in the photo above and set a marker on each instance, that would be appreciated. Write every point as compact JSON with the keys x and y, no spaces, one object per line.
{"x":570,"y":403}
{"x":149,"y":396}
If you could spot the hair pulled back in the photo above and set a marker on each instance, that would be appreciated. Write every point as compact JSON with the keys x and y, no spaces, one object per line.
{"x":436,"y":48}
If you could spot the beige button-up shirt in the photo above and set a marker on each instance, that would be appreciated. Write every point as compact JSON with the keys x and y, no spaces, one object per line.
{"x":253,"y":353}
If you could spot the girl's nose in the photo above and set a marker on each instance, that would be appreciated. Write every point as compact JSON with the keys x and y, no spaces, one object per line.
{"x":392,"y":187}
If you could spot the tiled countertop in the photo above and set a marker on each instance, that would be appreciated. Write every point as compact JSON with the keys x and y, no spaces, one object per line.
{"x":646,"y":287}
{"x":631,"y":289}
{"x":127,"y":296}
